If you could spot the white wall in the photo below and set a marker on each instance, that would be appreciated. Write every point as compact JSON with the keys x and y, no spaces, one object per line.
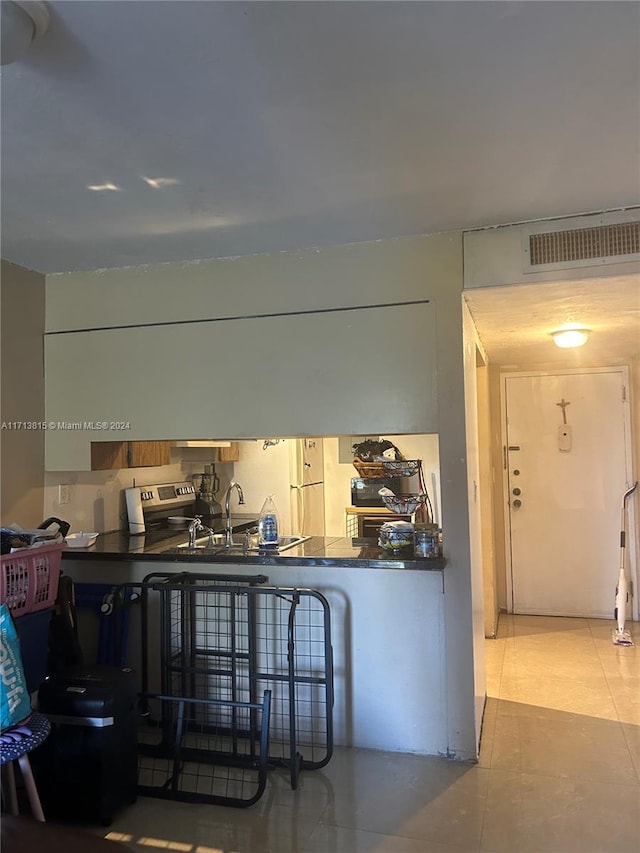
{"x":487,"y":477}
{"x":472,"y":352}
{"x":423,"y":362}
{"x":262,"y":472}
{"x":499,"y":256}
{"x":633,"y":536}
{"x":387,"y":639}
{"x":97,"y":497}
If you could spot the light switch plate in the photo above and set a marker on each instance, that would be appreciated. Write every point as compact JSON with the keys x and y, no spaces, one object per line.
{"x":564,"y":438}
{"x":64,"y":494}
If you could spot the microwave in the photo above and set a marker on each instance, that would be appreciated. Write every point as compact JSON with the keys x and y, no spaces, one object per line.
{"x":364,"y":490}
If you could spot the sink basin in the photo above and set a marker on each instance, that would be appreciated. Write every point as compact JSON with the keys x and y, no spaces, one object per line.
{"x":203,"y":541}
{"x":218,"y":546}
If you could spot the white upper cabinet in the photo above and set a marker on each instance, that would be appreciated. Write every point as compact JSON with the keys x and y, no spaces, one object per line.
{"x":341,"y":372}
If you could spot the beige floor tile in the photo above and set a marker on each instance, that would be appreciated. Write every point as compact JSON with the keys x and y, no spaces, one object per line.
{"x":625,"y":692}
{"x":552,"y":644}
{"x":493,"y":667}
{"x":591,"y":698}
{"x":531,"y":626}
{"x":601,"y":628}
{"x":617,"y":660}
{"x":559,"y":770}
{"x":632,"y":736}
{"x":488,"y":728}
{"x":628,"y":711}
{"x":543,"y":714}
{"x":494,"y":649}
{"x":541,"y":666}
{"x":603,"y":637}
{"x":337,"y":839}
{"x":443,"y":803}
{"x":505,"y":752}
{"x":164,"y":824}
{"x":507,"y":690}
{"x":582,"y":748}
{"x":309,"y":800}
{"x":528,"y":813}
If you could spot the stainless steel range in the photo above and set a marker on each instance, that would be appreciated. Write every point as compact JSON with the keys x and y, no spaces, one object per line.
{"x":150,"y":507}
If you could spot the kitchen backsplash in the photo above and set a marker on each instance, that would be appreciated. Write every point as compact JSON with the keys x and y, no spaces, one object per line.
{"x":96,"y":498}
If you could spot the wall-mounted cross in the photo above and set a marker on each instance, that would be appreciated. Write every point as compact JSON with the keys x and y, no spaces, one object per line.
{"x":563,"y":405}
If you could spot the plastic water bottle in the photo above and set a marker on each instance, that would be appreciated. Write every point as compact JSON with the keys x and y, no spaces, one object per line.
{"x":268,"y":525}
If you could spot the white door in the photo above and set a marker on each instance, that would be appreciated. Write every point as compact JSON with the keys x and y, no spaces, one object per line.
{"x":568,"y":467}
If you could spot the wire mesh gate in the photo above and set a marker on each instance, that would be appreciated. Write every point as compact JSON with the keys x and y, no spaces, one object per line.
{"x":225,"y":644}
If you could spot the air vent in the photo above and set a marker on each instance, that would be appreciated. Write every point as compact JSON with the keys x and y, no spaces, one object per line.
{"x":602,"y":244}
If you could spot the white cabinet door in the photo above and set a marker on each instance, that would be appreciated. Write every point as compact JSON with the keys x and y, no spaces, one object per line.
{"x":333,"y":373}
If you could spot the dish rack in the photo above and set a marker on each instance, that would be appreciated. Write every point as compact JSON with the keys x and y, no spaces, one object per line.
{"x":29,"y":578}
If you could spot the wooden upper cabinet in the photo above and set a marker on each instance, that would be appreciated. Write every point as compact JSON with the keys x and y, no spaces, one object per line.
{"x":229,"y":454}
{"x":107,"y":455}
{"x":144,"y":454}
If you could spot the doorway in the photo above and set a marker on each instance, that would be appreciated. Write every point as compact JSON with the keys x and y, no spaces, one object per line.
{"x":567,"y":460}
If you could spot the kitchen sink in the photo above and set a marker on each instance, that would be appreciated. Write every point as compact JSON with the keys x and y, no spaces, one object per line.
{"x":218,"y":546}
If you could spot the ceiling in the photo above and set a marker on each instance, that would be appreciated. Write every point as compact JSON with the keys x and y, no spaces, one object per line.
{"x":515,"y":323}
{"x":232,"y":128}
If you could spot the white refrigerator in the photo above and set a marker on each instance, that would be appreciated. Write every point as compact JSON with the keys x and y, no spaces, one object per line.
{"x":307,"y":487}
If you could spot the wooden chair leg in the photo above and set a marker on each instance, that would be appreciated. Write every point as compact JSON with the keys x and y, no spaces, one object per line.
{"x":30,"y":785}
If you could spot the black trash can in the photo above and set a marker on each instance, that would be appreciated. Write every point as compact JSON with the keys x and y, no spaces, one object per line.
{"x":87,"y":767}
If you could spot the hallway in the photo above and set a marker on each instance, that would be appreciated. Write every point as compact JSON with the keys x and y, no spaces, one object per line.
{"x":559,"y":770}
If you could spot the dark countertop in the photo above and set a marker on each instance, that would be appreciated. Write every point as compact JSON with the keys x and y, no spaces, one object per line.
{"x":161,"y":545}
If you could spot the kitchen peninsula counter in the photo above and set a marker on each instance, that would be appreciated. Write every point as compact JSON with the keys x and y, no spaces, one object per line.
{"x":387,"y":617}
{"x":163,"y":546}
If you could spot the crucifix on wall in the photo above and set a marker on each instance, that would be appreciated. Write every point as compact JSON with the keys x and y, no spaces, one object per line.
{"x":564,"y":432}
{"x":563,"y":405}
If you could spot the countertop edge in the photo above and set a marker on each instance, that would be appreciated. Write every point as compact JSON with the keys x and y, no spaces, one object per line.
{"x":116,"y":547}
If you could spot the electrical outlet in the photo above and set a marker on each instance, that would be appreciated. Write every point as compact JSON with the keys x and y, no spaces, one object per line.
{"x":64,"y":494}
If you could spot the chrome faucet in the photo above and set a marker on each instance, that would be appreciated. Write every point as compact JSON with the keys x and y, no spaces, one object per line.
{"x":227,"y":500}
{"x":196,"y":526}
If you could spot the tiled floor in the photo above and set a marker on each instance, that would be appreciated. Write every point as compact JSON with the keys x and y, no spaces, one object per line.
{"x":559,"y":770}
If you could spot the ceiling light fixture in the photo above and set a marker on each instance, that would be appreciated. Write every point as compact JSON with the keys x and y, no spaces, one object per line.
{"x":567,"y":338}
{"x":160,"y":183}
{"x":21,"y":24}
{"x":99,"y":188}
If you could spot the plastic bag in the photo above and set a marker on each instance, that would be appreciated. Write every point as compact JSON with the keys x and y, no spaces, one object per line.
{"x":15,"y":702}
